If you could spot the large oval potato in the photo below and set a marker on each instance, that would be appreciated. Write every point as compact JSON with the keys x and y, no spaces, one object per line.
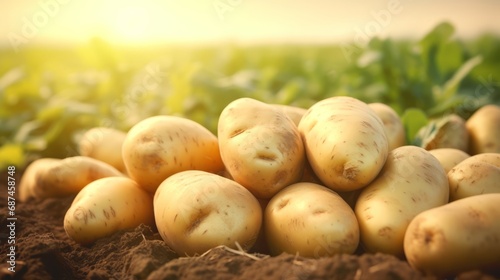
{"x":478,"y":174}
{"x":449,"y":157}
{"x":460,"y":236}
{"x":484,"y":130}
{"x":393,"y":126}
{"x":260,"y":146}
{"x":196,"y":211}
{"x":160,"y":146}
{"x":104,"y":144}
{"x":106,"y":206}
{"x":411,"y":182}
{"x":310,"y":220}
{"x":63,"y":177}
{"x":345,"y":142}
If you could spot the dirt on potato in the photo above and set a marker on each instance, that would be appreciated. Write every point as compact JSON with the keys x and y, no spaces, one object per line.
{"x":44,"y":251}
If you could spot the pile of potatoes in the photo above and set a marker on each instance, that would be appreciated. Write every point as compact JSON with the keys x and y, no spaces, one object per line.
{"x":337,"y":177}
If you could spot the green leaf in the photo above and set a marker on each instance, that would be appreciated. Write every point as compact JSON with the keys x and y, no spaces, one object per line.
{"x":413,"y":119}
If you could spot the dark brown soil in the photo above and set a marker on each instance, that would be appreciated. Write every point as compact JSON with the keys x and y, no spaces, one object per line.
{"x":43,"y":251}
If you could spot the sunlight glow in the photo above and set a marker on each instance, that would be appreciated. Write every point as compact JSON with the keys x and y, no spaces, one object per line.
{"x":146,"y":21}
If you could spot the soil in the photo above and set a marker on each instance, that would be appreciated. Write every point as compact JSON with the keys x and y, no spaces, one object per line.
{"x":44,"y":251}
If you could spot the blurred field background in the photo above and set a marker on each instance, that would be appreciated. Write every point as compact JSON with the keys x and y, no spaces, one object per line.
{"x":58,"y":79}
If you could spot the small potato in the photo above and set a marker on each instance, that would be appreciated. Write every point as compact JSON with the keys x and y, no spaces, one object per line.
{"x":104,"y":144}
{"x":345,"y":142}
{"x":394,"y":128}
{"x":58,"y":178}
{"x":161,"y":146}
{"x":475,"y":175}
{"x":484,"y":130}
{"x":29,"y":179}
{"x":446,"y":132}
{"x":411,"y":182}
{"x":449,"y":157}
{"x":311,"y":220}
{"x":460,"y":236}
{"x":106,"y":206}
{"x":294,"y":113}
{"x":196,"y":211}
{"x":260,"y":146}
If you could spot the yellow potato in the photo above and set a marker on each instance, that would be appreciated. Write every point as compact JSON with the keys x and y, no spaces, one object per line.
{"x":58,"y":178}
{"x":345,"y":142}
{"x":106,"y":206}
{"x":411,"y":182}
{"x":394,"y":128}
{"x":311,"y":220}
{"x":161,"y":146}
{"x":478,"y":174}
{"x":449,"y":157}
{"x":294,"y":113}
{"x":104,"y":144}
{"x":196,"y":211}
{"x":484,"y":130}
{"x":260,"y":146}
{"x":460,"y":236}
{"x":446,"y":132}
{"x":29,"y":179}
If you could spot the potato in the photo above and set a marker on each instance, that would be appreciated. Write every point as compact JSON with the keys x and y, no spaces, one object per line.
{"x":345,"y":142}
{"x":160,"y":146}
{"x":449,"y":157}
{"x":484,"y":130}
{"x":294,"y":113}
{"x":393,"y":126}
{"x":58,"y":178}
{"x":310,"y":220}
{"x":29,"y":178}
{"x":104,"y":144}
{"x":475,"y":175}
{"x":460,"y":236}
{"x":196,"y":211}
{"x":446,"y":132}
{"x":106,"y":206}
{"x":260,"y":146}
{"x":411,"y":182}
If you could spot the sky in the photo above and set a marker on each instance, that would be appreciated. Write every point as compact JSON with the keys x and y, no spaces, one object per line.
{"x":245,"y":21}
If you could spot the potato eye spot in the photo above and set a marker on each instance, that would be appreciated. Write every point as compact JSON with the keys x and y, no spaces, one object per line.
{"x":195,"y":223}
{"x":237,"y":132}
{"x":282,"y":204}
{"x":266,"y":156}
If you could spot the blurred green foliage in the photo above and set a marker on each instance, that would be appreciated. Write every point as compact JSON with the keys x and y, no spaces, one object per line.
{"x":50,"y":95}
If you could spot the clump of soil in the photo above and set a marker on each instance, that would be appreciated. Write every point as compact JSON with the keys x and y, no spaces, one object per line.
{"x":44,"y":251}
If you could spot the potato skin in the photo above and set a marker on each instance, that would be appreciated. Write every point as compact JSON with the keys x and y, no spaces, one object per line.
{"x":475,"y":175}
{"x":345,"y":142}
{"x":484,"y":130}
{"x":460,"y":236}
{"x":63,"y":177}
{"x":449,"y":157}
{"x":196,"y":211}
{"x":393,"y":125}
{"x":28,"y":182}
{"x":104,"y":144}
{"x":160,"y":146}
{"x":446,"y":132}
{"x":411,"y":181}
{"x":260,"y":146}
{"x":106,"y":206}
{"x":311,"y":220}
{"x":293,"y":112}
